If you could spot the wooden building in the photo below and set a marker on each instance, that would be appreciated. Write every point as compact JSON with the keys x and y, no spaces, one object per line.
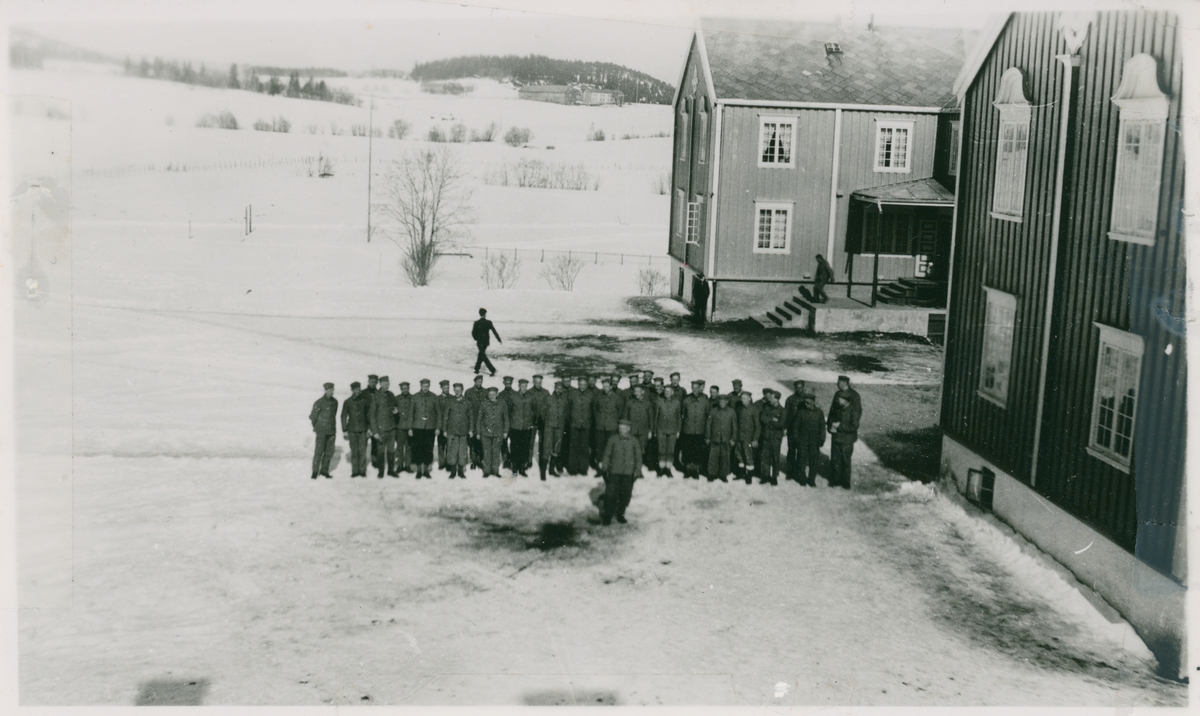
{"x":559,"y":94}
{"x":597,"y":96}
{"x":789,"y":135}
{"x":1064,"y":398}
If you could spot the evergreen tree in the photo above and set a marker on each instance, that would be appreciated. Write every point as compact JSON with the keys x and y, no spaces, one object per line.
{"x":233,"y":78}
{"x":274,"y":87}
{"x":293,"y":87}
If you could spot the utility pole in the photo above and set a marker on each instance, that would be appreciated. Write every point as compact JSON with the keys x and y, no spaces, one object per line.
{"x":370,"y":140}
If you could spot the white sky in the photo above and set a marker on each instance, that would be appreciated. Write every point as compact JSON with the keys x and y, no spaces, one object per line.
{"x":649,"y":35}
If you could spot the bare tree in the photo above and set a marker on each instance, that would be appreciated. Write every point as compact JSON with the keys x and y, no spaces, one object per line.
{"x":501,"y":270}
{"x":561,"y":271}
{"x":426,"y":198}
{"x":651,"y":282}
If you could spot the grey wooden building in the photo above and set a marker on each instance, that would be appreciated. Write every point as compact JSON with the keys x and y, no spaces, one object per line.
{"x":789,"y":134}
{"x":1064,"y":398}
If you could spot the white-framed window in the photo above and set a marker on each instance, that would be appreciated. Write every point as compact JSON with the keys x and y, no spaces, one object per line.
{"x":1114,"y":402}
{"x":693,"y":221}
{"x":893,"y":146}
{"x":955,"y":143}
{"x":680,"y":212}
{"x":1012,"y":147}
{"x":996,"y":363}
{"x":776,"y":138}
{"x":1143,"y":110}
{"x":772,"y":227}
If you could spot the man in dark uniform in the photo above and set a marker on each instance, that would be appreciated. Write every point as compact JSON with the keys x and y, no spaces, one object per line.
{"x":845,"y":434}
{"x":735,"y":396}
{"x":693,"y":425}
{"x":606,"y":413}
{"x":491,"y":425}
{"x":354,"y":427}
{"x":520,"y":428}
{"x":457,"y":427}
{"x":666,"y":429}
{"x":721,"y":433}
{"x":640,"y":414}
{"x":482,"y":332}
{"x":475,"y":395}
{"x":540,"y":397}
{"x":579,"y":456}
{"x":554,"y":426}
{"x":809,"y":425}
{"x":648,"y":381}
{"x":700,"y":295}
{"x":368,"y":394}
{"x":678,"y":393}
{"x":381,"y":421}
{"x":627,"y":394}
{"x":771,"y":429}
{"x":823,"y":277}
{"x":746,"y":444}
{"x":505,"y":397}
{"x":323,"y":417}
{"x":443,"y":402}
{"x":621,"y":464}
{"x":424,"y":429}
{"x":791,"y":406}
{"x":404,"y":428}
{"x":844,"y":390}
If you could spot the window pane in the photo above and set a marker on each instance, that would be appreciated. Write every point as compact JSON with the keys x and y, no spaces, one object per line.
{"x":764,"y":228}
{"x":785,"y":144}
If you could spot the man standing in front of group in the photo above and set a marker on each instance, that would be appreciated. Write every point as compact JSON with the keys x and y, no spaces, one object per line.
{"x":492,"y":427}
{"x":354,"y":427}
{"x":323,"y":417}
{"x":424,"y":429}
{"x":381,"y":421}
{"x":620,"y":464}
{"x":458,"y":429}
{"x":482,"y":332}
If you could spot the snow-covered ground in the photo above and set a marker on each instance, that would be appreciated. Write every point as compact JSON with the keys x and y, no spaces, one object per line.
{"x":202,"y":564}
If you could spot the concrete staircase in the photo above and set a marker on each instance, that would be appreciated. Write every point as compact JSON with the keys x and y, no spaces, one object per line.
{"x":913,"y":292}
{"x":794,"y":313}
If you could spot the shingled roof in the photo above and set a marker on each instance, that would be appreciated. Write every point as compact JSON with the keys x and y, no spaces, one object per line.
{"x":789,"y":62}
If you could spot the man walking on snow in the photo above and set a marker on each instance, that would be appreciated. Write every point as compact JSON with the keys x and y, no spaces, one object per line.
{"x":482,"y":332}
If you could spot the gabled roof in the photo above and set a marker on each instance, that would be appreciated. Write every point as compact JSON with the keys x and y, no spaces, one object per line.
{"x":789,"y":62}
{"x":979,"y":52}
{"x":920,"y":191}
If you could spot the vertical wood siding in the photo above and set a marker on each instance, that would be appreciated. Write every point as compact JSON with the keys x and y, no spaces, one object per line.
{"x":688,"y":175}
{"x":1129,"y":287}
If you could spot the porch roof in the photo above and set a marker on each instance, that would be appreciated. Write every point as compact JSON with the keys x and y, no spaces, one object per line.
{"x":922,"y":192}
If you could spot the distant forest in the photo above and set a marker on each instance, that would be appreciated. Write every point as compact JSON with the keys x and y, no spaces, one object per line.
{"x":248,"y":79}
{"x":537,"y":69}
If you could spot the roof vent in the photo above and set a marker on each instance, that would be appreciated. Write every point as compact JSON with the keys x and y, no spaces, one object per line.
{"x":832,"y":48}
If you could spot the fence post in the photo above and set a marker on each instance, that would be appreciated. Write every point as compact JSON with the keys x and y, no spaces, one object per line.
{"x":622,"y":259}
{"x":543,"y":256}
{"x":597,"y":259}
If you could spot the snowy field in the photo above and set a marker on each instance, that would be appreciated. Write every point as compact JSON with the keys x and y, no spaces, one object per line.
{"x":185,"y":557}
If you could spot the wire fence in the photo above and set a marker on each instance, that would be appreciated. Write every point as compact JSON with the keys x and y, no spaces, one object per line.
{"x":543,"y":255}
{"x":221,"y":165}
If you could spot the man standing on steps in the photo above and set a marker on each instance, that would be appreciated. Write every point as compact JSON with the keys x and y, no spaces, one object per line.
{"x":482,"y":332}
{"x":354,"y":427}
{"x":323,"y":417}
{"x":824,"y":276}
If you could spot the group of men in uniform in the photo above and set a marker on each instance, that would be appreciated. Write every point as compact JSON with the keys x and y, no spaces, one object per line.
{"x":573,"y":428}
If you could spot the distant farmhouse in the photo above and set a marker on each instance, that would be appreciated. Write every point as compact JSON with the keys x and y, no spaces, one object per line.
{"x":1064,"y":403}
{"x":793,"y":140}
{"x":571,"y":94}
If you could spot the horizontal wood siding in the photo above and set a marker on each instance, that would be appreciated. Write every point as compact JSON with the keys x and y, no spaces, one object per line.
{"x":857,"y":171}
{"x":807,"y":184}
{"x":1009,"y":256}
{"x":1131,"y":287}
